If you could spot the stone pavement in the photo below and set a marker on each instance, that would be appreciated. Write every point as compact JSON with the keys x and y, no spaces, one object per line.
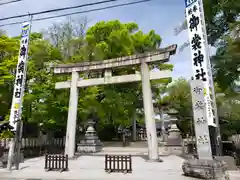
{"x":92,"y":168}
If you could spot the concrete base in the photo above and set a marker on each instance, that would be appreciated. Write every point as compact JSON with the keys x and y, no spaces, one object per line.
{"x":4,"y":159}
{"x":157,"y":160}
{"x":205,"y":169}
{"x":230,"y":161}
{"x":89,"y":148}
{"x":173,"y":150}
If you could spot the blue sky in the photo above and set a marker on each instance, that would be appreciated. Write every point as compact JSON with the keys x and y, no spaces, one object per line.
{"x":161,"y":15}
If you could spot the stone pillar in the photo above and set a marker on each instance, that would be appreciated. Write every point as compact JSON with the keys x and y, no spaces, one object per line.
{"x":72,"y":117}
{"x":205,"y":167}
{"x":148,"y":111}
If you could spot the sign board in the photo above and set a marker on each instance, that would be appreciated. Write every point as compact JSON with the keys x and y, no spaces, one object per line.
{"x":199,"y":56}
{"x":19,"y":85}
{"x":200,"y":120}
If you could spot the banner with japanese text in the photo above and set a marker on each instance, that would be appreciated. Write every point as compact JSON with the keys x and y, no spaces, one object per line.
{"x":200,"y":61}
{"x":19,"y":85}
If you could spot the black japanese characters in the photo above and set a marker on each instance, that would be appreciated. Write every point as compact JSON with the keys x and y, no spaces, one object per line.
{"x":203,"y":139}
{"x":200,"y":74}
{"x":24,"y":41}
{"x":19,"y":80}
{"x":194,"y":22}
{"x":18,"y":92}
{"x":201,"y":120}
{"x":196,"y":42}
{"x":15,"y":116}
{"x":199,"y":105}
{"x":198,"y":58}
{"x":195,"y":8}
{"x":21,"y":67}
{"x":191,"y":10}
{"x":197,"y":90}
{"x":23,"y":51}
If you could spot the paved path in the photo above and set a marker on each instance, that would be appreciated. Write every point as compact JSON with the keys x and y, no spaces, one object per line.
{"x":92,"y":168}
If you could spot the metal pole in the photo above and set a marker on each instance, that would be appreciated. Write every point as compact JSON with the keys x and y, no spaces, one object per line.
{"x":218,"y":132}
{"x":11,"y":153}
{"x":17,"y":142}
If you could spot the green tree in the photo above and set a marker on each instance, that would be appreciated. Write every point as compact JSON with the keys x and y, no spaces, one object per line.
{"x":9,"y":48}
{"x":180,"y":99}
{"x":222,"y":21}
{"x":229,"y":113}
{"x":113,"y":39}
{"x":219,"y":16}
{"x":227,"y":62}
{"x":42,"y":103}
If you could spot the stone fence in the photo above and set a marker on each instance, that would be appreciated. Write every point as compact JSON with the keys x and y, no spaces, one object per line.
{"x":34,"y":142}
{"x":33,"y":147}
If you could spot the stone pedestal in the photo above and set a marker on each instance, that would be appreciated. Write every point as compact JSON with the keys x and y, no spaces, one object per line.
{"x":205,"y":169}
{"x":90,"y":143}
{"x":4,"y":159}
{"x":230,"y":161}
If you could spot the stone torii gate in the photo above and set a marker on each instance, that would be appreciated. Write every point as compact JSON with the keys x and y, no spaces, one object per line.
{"x":160,"y":56}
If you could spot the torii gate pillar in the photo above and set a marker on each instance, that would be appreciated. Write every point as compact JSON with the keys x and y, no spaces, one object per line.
{"x":149,"y":114}
{"x":70,"y":141}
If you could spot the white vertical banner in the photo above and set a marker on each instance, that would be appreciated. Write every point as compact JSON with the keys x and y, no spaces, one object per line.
{"x":19,"y":84}
{"x":200,"y":64}
{"x":200,"y":120}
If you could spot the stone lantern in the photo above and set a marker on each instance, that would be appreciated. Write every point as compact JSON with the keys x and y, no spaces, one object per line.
{"x":91,"y":142}
{"x":173,"y":118}
{"x":174,"y":139}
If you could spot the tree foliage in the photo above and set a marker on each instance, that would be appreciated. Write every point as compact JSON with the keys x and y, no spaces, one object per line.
{"x":222,"y":21}
{"x":219,"y":16}
{"x":112,"y":39}
{"x":180,"y":99}
{"x":9,"y":48}
{"x":227,"y":62}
